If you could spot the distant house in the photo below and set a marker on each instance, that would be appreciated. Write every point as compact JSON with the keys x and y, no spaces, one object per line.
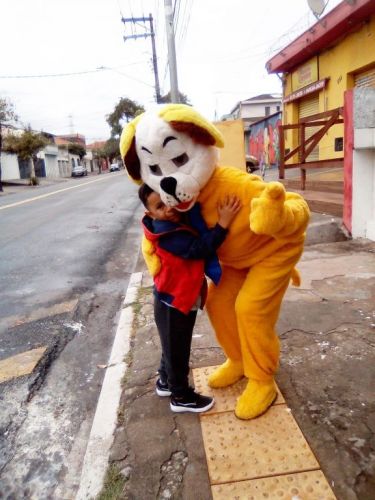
{"x":13,"y":168}
{"x":66,"y":160}
{"x":70,"y":138}
{"x":262,"y":111}
{"x":256,"y":108}
{"x":92,"y":162}
{"x":53,"y":161}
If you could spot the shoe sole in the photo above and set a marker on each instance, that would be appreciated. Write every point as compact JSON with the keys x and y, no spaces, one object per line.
{"x":187,"y":409}
{"x":162,"y":393}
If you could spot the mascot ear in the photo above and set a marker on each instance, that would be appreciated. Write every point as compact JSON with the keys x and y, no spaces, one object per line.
{"x":128,"y":151}
{"x":184,"y":118}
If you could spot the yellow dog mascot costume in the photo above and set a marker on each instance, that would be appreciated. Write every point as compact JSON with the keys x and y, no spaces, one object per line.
{"x":174,"y":150}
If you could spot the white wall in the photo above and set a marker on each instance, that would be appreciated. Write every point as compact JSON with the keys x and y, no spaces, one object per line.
{"x":252,"y":110}
{"x":363,"y":210}
{"x":9,"y":167}
{"x":363,"y":180}
{"x":49,"y":154}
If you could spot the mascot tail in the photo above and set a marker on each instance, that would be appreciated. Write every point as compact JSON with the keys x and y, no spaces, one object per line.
{"x":295,"y":277}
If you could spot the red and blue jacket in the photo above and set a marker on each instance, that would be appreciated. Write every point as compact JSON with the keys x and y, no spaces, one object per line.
{"x":183,"y":254}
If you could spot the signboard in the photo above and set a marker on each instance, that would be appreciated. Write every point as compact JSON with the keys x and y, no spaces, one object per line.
{"x":314,"y":87}
{"x":305,"y":74}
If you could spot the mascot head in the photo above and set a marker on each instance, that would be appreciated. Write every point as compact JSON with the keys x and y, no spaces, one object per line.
{"x":173,"y":149}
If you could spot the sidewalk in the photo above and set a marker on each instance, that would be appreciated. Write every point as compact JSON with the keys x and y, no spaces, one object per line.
{"x":22,"y":185}
{"x":327,"y":377}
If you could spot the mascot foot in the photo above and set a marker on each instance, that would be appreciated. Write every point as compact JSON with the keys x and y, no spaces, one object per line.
{"x":256,"y":399}
{"x":227,"y":374}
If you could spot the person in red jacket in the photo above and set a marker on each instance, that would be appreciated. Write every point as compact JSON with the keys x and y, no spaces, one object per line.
{"x":180,"y":287}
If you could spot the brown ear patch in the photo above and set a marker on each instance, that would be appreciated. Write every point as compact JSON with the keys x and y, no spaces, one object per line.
{"x":198,"y":134}
{"x":132,"y":163}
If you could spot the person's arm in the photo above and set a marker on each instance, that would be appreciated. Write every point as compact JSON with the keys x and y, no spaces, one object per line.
{"x":189,"y":246}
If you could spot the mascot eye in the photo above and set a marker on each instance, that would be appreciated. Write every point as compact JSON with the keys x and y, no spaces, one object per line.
{"x":155,"y":169}
{"x":180,"y":160}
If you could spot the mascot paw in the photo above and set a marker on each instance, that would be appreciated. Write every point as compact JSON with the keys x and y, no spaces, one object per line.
{"x":227,"y":374}
{"x":267,"y":215}
{"x":256,"y":399}
{"x":152,"y":260}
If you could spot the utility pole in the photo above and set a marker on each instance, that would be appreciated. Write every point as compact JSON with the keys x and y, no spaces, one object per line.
{"x":171,"y":50}
{"x":135,"y":20}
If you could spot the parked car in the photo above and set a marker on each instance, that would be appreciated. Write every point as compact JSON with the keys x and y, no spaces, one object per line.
{"x":79,"y":171}
{"x":252,"y":164}
{"x":114,"y":167}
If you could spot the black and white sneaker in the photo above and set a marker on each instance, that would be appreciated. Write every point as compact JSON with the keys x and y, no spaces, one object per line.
{"x":191,"y":402}
{"x":162,"y":388}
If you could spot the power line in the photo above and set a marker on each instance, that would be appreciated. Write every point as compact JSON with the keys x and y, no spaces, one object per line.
{"x":76,"y":73}
{"x":54,"y":75}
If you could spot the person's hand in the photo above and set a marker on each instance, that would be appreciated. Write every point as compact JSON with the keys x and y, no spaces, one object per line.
{"x":227,"y":209}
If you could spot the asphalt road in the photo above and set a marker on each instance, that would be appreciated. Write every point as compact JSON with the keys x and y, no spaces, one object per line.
{"x":66,"y":253}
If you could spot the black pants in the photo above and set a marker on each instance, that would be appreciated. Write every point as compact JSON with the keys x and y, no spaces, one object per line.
{"x":175,"y":332}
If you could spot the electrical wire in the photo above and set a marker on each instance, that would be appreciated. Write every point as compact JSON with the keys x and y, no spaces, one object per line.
{"x":77,"y":73}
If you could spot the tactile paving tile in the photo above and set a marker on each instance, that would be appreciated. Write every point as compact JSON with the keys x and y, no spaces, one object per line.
{"x":269,"y":445}
{"x":226,"y":398}
{"x":310,"y":485}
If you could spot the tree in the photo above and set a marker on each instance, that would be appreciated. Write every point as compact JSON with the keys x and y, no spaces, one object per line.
{"x":76,"y":149}
{"x":26,"y":147}
{"x":6,"y":114}
{"x":111,"y":149}
{"x":183,"y":98}
{"x":125,"y":110}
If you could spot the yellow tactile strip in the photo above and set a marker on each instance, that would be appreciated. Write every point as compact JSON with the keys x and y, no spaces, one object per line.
{"x":225,"y":399}
{"x":267,"y":457}
{"x":20,"y":364}
{"x":267,"y":446}
{"x":303,"y":486}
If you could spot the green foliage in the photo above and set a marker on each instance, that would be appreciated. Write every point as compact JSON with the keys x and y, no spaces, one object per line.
{"x":125,"y":110}
{"x":76,"y":149}
{"x":112,"y":149}
{"x":26,"y":145}
{"x":7,"y":111}
{"x":167,"y":98}
{"x":114,"y":483}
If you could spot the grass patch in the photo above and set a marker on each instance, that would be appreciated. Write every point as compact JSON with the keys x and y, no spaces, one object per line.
{"x":114,"y":483}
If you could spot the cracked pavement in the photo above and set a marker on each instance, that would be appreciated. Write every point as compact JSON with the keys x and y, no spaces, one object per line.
{"x":326,"y":374}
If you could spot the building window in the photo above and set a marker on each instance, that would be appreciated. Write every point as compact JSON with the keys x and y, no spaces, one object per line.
{"x":339,"y":144}
{"x":277,"y":108}
{"x":267,"y":110}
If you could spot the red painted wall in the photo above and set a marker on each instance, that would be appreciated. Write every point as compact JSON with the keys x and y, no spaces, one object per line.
{"x":264,"y":140}
{"x":348,"y":158}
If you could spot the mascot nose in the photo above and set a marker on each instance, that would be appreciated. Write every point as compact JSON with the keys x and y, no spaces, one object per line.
{"x":169,"y":184}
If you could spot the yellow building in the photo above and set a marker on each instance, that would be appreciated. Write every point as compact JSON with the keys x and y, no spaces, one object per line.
{"x":233,"y":152}
{"x":334,"y":55}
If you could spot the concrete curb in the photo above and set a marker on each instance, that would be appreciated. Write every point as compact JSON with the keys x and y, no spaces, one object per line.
{"x":105,"y":419}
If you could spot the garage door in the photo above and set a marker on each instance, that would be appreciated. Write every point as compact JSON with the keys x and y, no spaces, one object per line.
{"x":365,"y":78}
{"x":308,"y":107}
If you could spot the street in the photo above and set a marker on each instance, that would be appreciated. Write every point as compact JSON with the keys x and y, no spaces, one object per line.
{"x":67,"y":251}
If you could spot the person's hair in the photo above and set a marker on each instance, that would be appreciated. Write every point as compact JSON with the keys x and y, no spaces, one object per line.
{"x":144,"y":192}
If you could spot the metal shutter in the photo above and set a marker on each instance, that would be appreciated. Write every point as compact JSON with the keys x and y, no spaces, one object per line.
{"x":307,"y":107}
{"x":365,"y":79}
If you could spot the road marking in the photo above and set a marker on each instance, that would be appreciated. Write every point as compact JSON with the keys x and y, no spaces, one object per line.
{"x":55,"y":192}
{"x":41,"y":312}
{"x":20,"y":364}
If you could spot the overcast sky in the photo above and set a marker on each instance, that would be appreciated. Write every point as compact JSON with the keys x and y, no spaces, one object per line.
{"x":222,"y":47}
